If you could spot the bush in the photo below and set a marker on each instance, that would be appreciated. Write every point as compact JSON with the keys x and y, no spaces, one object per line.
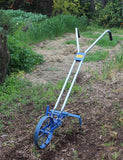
{"x":111,"y":15}
{"x":22,"y":57}
{"x":16,"y":4}
{"x":19,"y":16}
{"x":66,"y":7}
{"x":6,"y":20}
{"x":74,"y":7}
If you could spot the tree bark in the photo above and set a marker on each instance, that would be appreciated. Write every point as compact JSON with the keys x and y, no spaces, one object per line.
{"x":4,"y":56}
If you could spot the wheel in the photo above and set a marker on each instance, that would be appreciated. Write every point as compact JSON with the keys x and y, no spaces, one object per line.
{"x":44,"y":132}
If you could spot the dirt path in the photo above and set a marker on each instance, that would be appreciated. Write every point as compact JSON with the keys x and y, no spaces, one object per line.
{"x":98,"y":104}
{"x":58,"y":58}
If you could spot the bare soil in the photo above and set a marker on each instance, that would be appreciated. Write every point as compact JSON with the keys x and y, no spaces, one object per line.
{"x":99,"y":105}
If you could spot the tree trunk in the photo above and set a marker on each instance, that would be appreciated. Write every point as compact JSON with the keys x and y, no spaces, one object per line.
{"x":4,"y":56}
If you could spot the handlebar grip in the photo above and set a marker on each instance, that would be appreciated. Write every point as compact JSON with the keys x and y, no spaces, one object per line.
{"x":78,"y":33}
{"x":110,"y":36}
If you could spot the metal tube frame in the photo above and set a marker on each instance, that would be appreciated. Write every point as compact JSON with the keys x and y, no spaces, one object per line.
{"x":71,"y":69}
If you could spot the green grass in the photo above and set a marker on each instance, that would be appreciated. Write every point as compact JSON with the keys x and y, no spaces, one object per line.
{"x":71,"y":42}
{"x":96,"y":57}
{"x":17,"y":92}
{"x":51,"y":28}
{"x":104,"y":42}
{"x":115,"y":63}
{"x":108,"y":144}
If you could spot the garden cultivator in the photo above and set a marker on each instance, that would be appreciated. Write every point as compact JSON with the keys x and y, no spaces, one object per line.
{"x":53,"y":118}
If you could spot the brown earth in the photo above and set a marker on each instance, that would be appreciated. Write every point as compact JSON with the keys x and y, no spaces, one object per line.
{"x":99,"y":105}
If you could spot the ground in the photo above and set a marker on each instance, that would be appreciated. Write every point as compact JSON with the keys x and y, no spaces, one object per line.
{"x":99,"y":103}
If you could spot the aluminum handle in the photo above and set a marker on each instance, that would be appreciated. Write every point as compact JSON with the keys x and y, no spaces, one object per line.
{"x":69,"y":91}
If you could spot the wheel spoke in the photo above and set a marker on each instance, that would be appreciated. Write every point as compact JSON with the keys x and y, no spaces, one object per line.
{"x":42,"y":139}
{"x":40,"y":136}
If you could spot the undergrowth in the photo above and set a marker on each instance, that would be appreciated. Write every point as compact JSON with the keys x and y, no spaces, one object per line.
{"x":51,"y":28}
{"x":96,"y":57}
{"x":111,"y":65}
{"x":17,"y":92}
{"x":22,"y":56}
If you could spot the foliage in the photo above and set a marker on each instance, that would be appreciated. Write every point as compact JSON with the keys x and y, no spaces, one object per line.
{"x":22,"y":57}
{"x":111,"y":15}
{"x":85,"y":8}
{"x":19,"y":16}
{"x":18,"y":4}
{"x":75,"y":7}
{"x":6,"y":20}
{"x":52,"y":27}
{"x":66,"y":6}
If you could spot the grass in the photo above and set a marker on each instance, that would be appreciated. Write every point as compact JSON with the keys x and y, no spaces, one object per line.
{"x":71,"y":42}
{"x":104,"y":42}
{"x":17,"y":92}
{"x":51,"y":28}
{"x":96,"y":57}
{"x":108,"y":144}
{"x":113,"y":64}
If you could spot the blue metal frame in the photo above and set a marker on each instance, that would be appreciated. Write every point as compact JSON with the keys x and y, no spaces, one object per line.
{"x":61,"y":115}
{"x":46,"y":132}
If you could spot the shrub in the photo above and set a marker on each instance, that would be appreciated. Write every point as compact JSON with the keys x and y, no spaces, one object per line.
{"x":75,"y":7}
{"x":66,"y":6}
{"x":111,"y":15}
{"x":19,"y":16}
{"x":6,"y":20}
{"x":22,"y":57}
{"x":16,"y":4}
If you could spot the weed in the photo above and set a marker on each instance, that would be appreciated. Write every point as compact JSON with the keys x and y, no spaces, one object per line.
{"x":71,"y":42}
{"x":116,"y":63}
{"x":52,"y":69}
{"x":102,"y":157}
{"x":108,"y":144}
{"x":35,"y":151}
{"x":115,"y":155}
{"x":75,"y":157}
{"x":53,"y":147}
{"x":104,"y":130}
{"x":1,"y":125}
{"x":96,"y":57}
{"x":121,"y":144}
